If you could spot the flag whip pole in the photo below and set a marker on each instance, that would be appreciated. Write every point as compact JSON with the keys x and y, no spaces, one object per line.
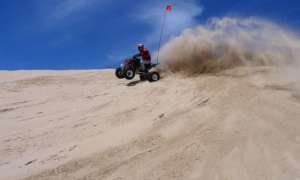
{"x":162,"y":32}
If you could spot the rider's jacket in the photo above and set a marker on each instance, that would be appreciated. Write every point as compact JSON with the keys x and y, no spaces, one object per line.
{"x":145,"y":54}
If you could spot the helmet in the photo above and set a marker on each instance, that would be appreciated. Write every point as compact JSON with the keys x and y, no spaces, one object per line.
{"x":140,"y":46}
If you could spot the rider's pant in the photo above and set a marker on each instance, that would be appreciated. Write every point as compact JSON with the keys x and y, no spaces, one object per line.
{"x":146,"y":66}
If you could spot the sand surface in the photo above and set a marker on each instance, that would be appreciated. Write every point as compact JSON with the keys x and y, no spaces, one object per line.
{"x":240,"y":124}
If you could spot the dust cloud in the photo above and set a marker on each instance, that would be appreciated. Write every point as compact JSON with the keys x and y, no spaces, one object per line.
{"x":225,"y":43}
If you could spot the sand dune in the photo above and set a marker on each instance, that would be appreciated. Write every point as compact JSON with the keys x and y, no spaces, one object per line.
{"x":242,"y":123}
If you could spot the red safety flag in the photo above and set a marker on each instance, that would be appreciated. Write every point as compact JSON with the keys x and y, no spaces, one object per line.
{"x":168,"y":7}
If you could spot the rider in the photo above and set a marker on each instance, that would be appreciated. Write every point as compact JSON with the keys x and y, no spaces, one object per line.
{"x":146,"y":57}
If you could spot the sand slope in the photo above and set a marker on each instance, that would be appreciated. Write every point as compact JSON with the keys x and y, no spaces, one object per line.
{"x":239,"y":124}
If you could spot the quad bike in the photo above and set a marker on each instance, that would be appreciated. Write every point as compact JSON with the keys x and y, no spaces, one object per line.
{"x":132,"y":66}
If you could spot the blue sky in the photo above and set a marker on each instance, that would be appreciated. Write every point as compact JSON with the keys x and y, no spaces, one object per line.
{"x":92,"y":34}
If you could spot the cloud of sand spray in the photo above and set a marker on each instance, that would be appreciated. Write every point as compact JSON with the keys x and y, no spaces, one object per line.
{"x":230,"y":42}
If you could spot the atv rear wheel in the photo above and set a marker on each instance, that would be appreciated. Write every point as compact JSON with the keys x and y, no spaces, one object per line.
{"x":143,"y":77}
{"x":119,"y":73}
{"x":129,"y":74}
{"x":153,"y":76}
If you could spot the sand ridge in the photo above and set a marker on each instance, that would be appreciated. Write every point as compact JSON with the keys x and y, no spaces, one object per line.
{"x":241,"y":123}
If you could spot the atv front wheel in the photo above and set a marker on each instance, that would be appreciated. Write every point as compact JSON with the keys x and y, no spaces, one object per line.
{"x":153,"y":76}
{"x":129,"y":74}
{"x":119,"y":73}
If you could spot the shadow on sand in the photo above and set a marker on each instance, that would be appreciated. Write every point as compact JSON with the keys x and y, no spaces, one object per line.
{"x":134,"y":83}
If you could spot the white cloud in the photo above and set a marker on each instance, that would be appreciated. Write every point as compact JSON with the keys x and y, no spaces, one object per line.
{"x":66,"y":8}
